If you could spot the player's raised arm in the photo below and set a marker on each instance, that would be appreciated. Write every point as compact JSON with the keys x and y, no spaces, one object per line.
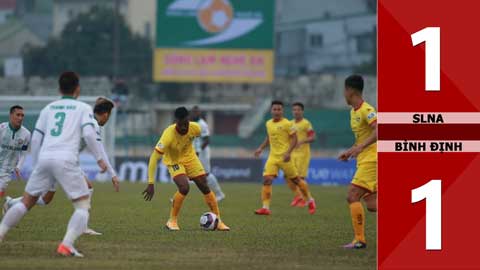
{"x":262,"y":146}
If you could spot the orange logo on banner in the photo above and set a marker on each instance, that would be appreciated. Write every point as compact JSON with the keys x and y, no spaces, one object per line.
{"x":215,"y":15}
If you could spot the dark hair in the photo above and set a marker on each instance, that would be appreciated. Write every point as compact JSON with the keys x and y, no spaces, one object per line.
{"x":15,"y":107}
{"x":103,"y":105}
{"x":68,"y":82}
{"x":181,"y":113}
{"x":355,"y":82}
{"x":276,"y":102}
{"x":299,"y":104}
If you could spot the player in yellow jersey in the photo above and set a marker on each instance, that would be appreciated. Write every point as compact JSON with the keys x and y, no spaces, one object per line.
{"x":282,"y":139}
{"x":301,"y":153}
{"x":176,"y":148}
{"x":363,"y":120}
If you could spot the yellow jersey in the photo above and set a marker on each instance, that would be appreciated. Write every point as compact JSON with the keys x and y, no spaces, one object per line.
{"x":177,"y":148}
{"x":279,"y":133}
{"x":360,"y":121}
{"x":304,"y":129}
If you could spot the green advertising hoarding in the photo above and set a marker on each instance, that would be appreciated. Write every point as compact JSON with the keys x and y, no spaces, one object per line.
{"x":214,"y":41}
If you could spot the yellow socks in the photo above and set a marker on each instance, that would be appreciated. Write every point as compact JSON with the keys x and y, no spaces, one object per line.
{"x":176,"y":205}
{"x":303,"y":186}
{"x":358,"y":221}
{"x":266,"y":196}
{"x":212,"y":203}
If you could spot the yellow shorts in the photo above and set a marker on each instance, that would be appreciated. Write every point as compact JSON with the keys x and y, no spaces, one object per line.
{"x":274,"y":164}
{"x":366,"y":176}
{"x":191,"y":169}
{"x":302,"y":163}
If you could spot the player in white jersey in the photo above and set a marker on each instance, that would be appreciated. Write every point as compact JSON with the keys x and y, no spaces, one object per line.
{"x":102,"y":110}
{"x":202,"y":148}
{"x":14,"y":140}
{"x":55,"y":149}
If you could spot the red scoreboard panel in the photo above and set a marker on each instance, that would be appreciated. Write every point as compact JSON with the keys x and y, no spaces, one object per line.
{"x":429,"y":134}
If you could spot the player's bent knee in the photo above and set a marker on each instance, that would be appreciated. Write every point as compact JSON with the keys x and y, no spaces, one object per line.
{"x":29,"y":200}
{"x":295,"y":180}
{"x":184,"y":189}
{"x":202,"y":185}
{"x":48,"y":197}
{"x":82,"y":204}
{"x":204,"y":189}
{"x":267,"y":180}
{"x":353,"y":197}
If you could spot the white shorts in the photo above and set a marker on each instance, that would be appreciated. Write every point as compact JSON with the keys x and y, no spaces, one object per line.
{"x":204,"y":157}
{"x":4,"y":180}
{"x":49,"y":171}
{"x":53,"y":188}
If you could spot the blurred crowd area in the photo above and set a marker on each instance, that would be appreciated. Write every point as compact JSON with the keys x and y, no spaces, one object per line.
{"x":110,"y":44}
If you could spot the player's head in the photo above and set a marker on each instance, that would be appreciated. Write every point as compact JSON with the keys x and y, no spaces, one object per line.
{"x":297,"y":110}
{"x":276,"y":109}
{"x":16,"y":116}
{"x":196,"y":113}
{"x":182,"y":120}
{"x":103,"y":110}
{"x":68,"y":84}
{"x":353,"y":88}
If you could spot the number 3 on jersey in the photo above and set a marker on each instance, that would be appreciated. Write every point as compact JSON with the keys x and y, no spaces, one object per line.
{"x":60,"y":117}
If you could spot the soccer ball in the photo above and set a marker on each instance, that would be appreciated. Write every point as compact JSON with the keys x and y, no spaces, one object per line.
{"x":209,"y":221}
{"x":214,"y":16}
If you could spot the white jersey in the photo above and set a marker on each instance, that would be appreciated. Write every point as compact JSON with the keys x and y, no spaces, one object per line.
{"x":204,"y":132}
{"x":83,"y":144}
{"x":13,"y":145}
{"x":203,"y":155}
{"x":61,"y":123}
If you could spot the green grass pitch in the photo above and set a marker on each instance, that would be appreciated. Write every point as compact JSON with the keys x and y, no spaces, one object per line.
{"x":135,"y":238}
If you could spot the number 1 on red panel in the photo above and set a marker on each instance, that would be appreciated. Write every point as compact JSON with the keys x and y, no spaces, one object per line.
{"x":431,"y":37}
{"x":432,"y":193}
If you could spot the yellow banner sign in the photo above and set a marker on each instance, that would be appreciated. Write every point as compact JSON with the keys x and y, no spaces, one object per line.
{"x":213,"y":65}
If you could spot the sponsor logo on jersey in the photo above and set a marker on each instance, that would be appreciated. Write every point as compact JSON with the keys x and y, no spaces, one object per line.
{"x":11,"y":148}
{"x":371,"y":115}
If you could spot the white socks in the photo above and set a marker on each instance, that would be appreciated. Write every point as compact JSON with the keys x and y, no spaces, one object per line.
{"x":76,"y":226}
{"x":212,"y":182}
{"x":12,"y":217}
